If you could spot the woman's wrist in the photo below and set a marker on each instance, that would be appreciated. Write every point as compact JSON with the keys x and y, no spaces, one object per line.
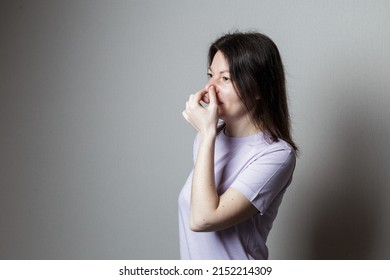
{"x":210,"y":134}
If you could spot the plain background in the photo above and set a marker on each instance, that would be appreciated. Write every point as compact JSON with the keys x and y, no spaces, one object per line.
{"x":94,"y":150}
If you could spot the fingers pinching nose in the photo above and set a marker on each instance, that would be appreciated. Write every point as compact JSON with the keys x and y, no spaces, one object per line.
{"x":212,"y":95}
{"x":211,"y":88}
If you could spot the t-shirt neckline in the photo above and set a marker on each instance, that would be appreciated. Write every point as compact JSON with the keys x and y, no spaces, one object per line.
{"x":245,"y":139}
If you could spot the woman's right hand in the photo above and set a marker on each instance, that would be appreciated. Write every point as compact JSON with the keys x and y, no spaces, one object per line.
{"x":203,"y":119}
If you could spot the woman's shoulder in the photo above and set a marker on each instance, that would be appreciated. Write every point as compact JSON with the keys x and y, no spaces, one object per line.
{"x":274,"y":148}
{"x":278,"y":152}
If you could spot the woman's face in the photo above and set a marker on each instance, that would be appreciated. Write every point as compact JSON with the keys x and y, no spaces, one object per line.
{"x":230,"y":106}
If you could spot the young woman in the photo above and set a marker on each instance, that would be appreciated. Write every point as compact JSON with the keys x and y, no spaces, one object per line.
{"x":244,"y":155}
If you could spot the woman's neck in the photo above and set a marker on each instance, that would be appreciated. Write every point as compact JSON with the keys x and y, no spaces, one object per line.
{"x":240,"y":129}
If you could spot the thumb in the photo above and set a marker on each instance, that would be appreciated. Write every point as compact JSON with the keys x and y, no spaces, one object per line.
{"x":212,"y":96}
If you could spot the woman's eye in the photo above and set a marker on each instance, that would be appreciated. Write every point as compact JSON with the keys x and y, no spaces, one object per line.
{"x":209,"y":75}
{"x":225,"y":79}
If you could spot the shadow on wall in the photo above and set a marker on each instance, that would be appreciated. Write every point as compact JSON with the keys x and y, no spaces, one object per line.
{"x":349,"y":212}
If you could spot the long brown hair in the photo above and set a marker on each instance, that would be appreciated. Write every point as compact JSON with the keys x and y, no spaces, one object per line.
{"x":258,"y":76}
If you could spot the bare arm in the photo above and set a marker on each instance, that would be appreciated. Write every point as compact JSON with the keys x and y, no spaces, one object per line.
{"x":208,"y":211}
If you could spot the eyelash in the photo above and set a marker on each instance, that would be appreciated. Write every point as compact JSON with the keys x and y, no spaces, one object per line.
{"x":209,"y":75}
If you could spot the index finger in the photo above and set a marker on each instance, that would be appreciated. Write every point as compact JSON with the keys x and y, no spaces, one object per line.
{"x":213,"y":95}
{"x":200,"y":96}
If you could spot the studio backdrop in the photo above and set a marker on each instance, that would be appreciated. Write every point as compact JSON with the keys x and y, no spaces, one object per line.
{"x":94,"y":150}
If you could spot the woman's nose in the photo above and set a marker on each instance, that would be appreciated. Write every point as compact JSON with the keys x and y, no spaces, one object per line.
{"x":210,"y":83}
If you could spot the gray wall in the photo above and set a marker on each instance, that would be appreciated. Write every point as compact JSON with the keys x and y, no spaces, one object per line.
{"x":94,"y":151}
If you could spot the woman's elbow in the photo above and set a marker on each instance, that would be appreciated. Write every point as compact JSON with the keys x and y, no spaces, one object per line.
{"x":200,"y":225}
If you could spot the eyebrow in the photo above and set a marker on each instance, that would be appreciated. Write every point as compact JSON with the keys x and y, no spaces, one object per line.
{"x":224,"y":71}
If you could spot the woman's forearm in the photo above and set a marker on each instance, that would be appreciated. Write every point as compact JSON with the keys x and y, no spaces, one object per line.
{"x":204,"y":198}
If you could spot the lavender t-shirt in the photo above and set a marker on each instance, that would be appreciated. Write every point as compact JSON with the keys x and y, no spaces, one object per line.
{"x":261,"y":170}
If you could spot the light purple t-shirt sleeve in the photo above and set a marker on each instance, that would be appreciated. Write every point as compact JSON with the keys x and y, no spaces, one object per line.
{"x":265,"y":177}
